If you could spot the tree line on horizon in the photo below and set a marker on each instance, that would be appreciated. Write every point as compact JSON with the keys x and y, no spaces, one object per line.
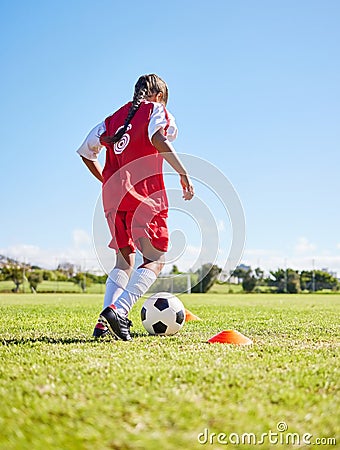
{"x":288,"y":280}
{"x":279,"y":281}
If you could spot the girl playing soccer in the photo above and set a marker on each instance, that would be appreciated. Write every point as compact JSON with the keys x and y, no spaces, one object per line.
{"x":137,"y":138}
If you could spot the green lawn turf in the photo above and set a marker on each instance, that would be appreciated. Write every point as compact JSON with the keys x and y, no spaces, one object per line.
{"x":53,"y":287}
{"x":61,"y":390}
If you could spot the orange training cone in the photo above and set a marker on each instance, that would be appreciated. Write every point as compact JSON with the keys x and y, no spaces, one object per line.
{"x":230,"y":337}
{"x":189,"y":316}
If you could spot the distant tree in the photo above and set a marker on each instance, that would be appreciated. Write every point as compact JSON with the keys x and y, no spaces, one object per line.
{"x":14,"y":273}
{"x":318,"y":280}
{"x":100,"y":279}
{"x":293,"y":281}
{"x":34,"y":278}
{"x":306,"y":280}
{"x":48,"y":275}
{"x":259,"y":274}
{"x":285,"y":280}
{"x":249,"y":282}
{"x":249,"y":279}
{"x":174,"y":270}
{"x":67,"y":269}
{"x":207,"y":275}
{"x":60,"y":276}
{"x":240,"y":273}
{"x":82,"y":279}
{"x":277,"y":280}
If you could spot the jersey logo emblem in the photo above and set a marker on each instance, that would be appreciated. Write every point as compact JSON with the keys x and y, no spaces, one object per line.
{"x":121,"y":145}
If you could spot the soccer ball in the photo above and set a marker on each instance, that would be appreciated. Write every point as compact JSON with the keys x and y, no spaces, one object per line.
{"x":163,"y":314}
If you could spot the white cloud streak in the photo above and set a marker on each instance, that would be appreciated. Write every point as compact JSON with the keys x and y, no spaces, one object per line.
{"x":81,"y":252}
{"x":304,"y":246}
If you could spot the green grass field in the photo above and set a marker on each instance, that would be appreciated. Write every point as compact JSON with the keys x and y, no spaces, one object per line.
{"x":53,"y":287}
{"x":61,"y":390}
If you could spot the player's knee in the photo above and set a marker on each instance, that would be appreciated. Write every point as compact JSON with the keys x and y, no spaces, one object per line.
{"x":155,"y":265}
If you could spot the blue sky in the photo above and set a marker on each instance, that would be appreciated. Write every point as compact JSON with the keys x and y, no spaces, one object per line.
{"x":254,"y":87}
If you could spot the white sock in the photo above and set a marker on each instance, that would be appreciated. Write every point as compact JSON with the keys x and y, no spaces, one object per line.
{"x":139,"y":284}
{"x":115,"y":284}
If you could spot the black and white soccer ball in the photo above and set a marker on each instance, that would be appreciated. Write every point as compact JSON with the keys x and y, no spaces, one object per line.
{"x":163,"y":314}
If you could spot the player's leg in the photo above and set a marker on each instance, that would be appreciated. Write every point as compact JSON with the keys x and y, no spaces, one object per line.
{"x":115,"y":316}
{"x":118,"y":278}
{"x":116,"y":282}
{"x":115,"y":323}
{"x":142,"y":278}
{"x":153,"y":259}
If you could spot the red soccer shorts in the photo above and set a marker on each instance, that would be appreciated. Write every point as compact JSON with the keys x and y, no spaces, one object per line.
{"x":126,"y":230}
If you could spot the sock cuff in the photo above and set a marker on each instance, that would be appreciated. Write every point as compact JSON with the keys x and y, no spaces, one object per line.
{"x":119,"y":277}
{"x":148,"y":273}
{"x":141,"y":280}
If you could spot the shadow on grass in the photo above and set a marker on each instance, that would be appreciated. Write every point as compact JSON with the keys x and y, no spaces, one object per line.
{"x":46,"y":340}
{"x":62,"y":340}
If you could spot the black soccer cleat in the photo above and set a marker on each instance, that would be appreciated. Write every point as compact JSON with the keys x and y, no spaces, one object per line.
{"x":100,"y":330}
{"x":100,"y":333}
{"x":118,"y":325}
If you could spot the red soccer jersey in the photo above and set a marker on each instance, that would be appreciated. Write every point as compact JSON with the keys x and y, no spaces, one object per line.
{"x":133,"y":171}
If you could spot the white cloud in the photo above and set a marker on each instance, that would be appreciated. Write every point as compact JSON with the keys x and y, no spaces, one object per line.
{"x":81,"y":238}
{"x":221,"y":226}
{"x":21,"y":252}
{"x":81,"y":253}
{"x":186,"y":261}
{"x":271,"y":260}
{"x":258,"y":252}
{"x":304,"y":246}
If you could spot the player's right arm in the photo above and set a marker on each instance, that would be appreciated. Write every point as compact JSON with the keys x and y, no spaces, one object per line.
{"x":90,"y":149}
{"x":161,"y":143}
{"x":162,"y":131}
{"x":95,"y":168}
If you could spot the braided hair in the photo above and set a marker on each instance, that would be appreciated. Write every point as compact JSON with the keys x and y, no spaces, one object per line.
{"x":146,"y":86}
